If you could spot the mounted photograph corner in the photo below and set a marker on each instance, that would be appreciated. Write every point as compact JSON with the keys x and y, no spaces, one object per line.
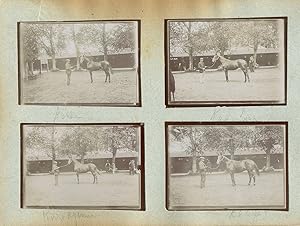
{"x":82,"y":166}
{"x":226,"y":166}
{"x":79,"y":63}
{"x":220,"y":62}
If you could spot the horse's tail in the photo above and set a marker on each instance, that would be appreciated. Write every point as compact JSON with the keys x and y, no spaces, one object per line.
{"x":256,"y":169}
{"x":110,"y":68}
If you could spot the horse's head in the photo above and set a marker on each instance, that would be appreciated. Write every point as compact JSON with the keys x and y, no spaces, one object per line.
{"x":220,"y":159}
{"x":216,"y":57}
{"x":82,"y":58}
{"x":71,"y":157}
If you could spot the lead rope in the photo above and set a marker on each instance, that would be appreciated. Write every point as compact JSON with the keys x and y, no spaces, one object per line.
{"x":64,"y":165}
{"x":213,"y":64}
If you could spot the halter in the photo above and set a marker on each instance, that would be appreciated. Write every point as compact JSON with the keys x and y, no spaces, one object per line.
{"x":214,"y":63}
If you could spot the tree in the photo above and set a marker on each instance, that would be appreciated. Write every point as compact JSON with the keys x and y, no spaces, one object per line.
{"x":29,"y":47}
{"x":124,"y":36}
{"x":78,"y":141}
{"x":188,"y":37}
{"x":42,"y":139}
{"x":258,"y":33}
{"x":234,"y":138}
{"x":74,"y":37}
{"x":221,"y":34}
{"x":266,"y":138}
{"x":51,"y":39}
{"x":116,"y":138}
{"x":106,"y":37}
{"x":201,"y":139}
{"x":193,"y":139}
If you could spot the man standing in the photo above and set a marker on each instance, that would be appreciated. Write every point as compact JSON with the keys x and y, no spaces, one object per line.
{"x":251,"y":64}
{"x":131,"y":167}
{"x":68,"y":71}
{"x":202,"y":170}
{"x":201,"y":67}
{"x":55,"y":171}
{"x":107,"y":166}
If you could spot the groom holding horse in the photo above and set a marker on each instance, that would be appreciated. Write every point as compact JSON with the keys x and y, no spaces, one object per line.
{"x":202,"y":170}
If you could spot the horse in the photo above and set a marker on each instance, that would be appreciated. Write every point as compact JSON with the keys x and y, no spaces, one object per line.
{"x":171,"y":85}
{"x":231,"y":65}
{"x":233,"y":166}
{"x":95,"y":66}
{"x":84,"y":168}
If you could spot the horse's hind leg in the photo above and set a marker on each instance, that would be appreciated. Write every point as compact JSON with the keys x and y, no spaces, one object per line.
{"x":253,"y":179}
{"x":91,"y":75}
{"x":246,"y":75}
{"x":250,"y":177}
{"x":226,"y":75}
{"x":107,"y":75}
{"x":232,"y":179}
{"x":95,"y":178}
{"x":77,"y":178}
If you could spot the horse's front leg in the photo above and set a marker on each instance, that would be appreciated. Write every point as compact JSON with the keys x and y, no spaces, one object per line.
{"x":253,"y":179}
{"x":77,"y":178}
{"x":91,"y":75}
{"x":250,"y":177}
{"x":248,"y":76}
{"x":226,"y":75}
{"x":232,"y":179}
{"x":107,"y":76}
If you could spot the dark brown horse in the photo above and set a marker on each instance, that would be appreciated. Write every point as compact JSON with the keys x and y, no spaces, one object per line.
{"x":232,"y":65}
{"x":233,"y":166}
{"x":95,"y":66}
{"x":171,"y":86}
{"x":84,"y":168}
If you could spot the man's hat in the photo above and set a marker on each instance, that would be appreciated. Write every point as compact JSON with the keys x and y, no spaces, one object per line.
{"x":68,"y":60}
{"x":201,"y":58}
{"x":54,"y":162}
{"x":201,"y":158}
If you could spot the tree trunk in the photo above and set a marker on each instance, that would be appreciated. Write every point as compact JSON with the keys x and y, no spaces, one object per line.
{"x":232,"y":156}
{"x":31,"y":67}
{"x":52,"y":50}
{"x":104,"y":43}
{"x":190,"y":48}
{"x":268,"y":163}
{"x":53,"y":63}
{"x":113,"y":161}
{"x":191,"y":59}
{"x":52,"y":146}
{"x":255,"y":52}
{"x":76,"y":48}
{"x":194,"y":165}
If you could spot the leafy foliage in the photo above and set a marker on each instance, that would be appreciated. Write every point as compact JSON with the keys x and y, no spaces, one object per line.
{"x":266,"y":137}
{"x":42,"y":139}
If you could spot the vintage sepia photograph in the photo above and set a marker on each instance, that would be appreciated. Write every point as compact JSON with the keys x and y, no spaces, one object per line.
{"x":221,"y":62}
{"x":82,"y":166}
{"x":226,"y":166}
{"x":79,"y":63}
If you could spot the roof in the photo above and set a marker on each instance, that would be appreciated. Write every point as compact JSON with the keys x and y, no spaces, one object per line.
{"x":233,"y":51}
{"x":245,"y":151}
{"x":89,"y":155}
{"x":63,"y":55}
